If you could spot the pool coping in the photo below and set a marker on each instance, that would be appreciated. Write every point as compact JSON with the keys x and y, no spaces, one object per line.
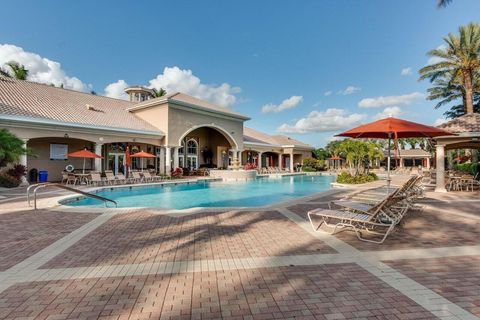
{"x":54,"y":202}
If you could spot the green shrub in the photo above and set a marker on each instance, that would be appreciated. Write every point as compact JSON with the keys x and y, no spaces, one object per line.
{"x":347,"y":178}
{"x":470,"y":168}
{"x":7,"y":181}
{"x":313,"y":165}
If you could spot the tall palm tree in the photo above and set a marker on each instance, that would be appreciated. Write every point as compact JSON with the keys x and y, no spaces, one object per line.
{"x":443,"y":3}
{"x":459,"y":60}
{"x":17,"y":71}
{"x":159,"y":92}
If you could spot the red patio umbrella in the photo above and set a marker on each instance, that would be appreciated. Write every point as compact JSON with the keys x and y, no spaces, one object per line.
{"x":85,"y":154}
{"x":391,"y":127}
{"x":142,"y":155}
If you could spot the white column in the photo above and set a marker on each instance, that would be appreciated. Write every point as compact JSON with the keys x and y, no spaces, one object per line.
{"x":98,"y":161}
{"x":259,"y":160}
{"x":23,"y":161}
{"x":291,"y":162}
{"x":440,"y":185}
{"x":162,"y":161}
{"x":175,"y":158}
{"x":280,"y":161}
{"x":240,"y":156}
{"x":168,"y":160}
{"x":427,"y":163}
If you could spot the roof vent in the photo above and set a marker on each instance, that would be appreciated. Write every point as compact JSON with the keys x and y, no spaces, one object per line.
{"x":89,"y":107}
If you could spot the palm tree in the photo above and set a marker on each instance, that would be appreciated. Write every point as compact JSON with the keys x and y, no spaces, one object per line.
{"x":11,"y":147}
{"x":443,"y":3}
{"x":159,"y":92}
{"x":460,"y":60}
{"x":17,"y":71}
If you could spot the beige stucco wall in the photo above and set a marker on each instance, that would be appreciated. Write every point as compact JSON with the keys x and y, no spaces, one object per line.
{"x":41,"y":160}
{"x":211,"y":138}
{"x":182,"y":121}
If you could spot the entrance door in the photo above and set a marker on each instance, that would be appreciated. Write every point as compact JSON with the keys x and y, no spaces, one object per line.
{"x":115,"y":162}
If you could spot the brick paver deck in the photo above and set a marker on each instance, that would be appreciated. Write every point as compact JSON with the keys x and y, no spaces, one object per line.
{"x":145,"y":237}
{"x":457,"y":279}
{"x":343,"y":291}
{"x":22,"y":234}
{"x":239,"y":264}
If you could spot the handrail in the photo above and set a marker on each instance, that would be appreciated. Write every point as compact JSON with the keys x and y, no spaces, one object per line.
{"x":61,"y":186}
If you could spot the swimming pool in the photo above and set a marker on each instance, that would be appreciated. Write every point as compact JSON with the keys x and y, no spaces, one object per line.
{"x":210,"y":194}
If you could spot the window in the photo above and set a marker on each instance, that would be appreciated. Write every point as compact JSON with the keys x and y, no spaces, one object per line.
{"x":58,"y":151}
{"x":192,"y":147}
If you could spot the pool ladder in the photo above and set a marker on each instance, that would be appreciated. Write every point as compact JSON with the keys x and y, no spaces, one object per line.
{"x":39,"y":186}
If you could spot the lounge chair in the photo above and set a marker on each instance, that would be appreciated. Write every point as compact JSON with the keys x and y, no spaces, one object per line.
{"x":95,"y":179}
{"x":147,"y":177}
{"x":110,"y":177}
{"x":135,"y":176}
{"x":379,"y":219}
{"x":121,"y":178}
{"x":71,"y":179}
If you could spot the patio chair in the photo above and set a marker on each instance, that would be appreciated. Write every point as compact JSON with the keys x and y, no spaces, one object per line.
{"x":95,"y":179}
{"x":120,"y":177}
{"x":110,"y":178}
{"x":135,"y":176}
{"x":379,"y":219}
{"x":71,"y":179}
{"x":147,"y":177}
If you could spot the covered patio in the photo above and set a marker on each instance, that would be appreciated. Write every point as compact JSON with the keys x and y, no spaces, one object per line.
{"x":467,"y":128}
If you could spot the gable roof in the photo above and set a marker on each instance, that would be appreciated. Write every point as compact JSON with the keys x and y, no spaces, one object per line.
{"x":468,"y":123}
{"x":25,"y":99}
{"x":188,"y":101}
{"x":256,"y":137}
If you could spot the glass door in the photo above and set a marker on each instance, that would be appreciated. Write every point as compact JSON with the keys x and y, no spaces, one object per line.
{"x":115,"y":162}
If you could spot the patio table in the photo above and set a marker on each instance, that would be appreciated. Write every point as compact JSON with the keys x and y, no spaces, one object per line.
{"x":82,"y":177}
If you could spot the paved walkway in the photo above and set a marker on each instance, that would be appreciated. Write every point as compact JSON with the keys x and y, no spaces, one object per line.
{"x":238,"y":264}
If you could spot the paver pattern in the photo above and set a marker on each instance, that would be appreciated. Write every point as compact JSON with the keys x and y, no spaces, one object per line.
{"x":457,"y":279}
{"x":343,"y":291}
{"x":238,"y":264}
{"x":144,"y":237}
{"x":26,"y":232}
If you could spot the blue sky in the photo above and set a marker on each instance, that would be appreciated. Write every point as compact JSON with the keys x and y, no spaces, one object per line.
{"x":247,"y":55}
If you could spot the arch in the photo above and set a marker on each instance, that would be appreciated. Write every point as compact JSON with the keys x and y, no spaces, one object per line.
{"x":226,"y":134}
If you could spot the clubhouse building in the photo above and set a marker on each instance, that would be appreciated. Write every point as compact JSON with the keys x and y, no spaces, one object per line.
{"x":180,"y":130}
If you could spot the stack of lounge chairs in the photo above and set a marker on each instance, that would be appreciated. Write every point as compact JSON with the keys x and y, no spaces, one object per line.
{"x":273,"y":170}
{"x":365,"y":214}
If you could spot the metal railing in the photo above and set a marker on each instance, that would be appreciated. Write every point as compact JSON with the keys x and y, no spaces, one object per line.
{"x":39,"y":186}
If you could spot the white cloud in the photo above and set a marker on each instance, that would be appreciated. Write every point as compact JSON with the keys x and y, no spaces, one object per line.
{"x":332,"y":119}
{"x":388,"y":111}
{"x":406,"y":71}
{"x":286,"y":104}
{"x":328,"y":93}
{"x":439,"y":121}
{"x":41,"y":69}
{"x":117,"y":90}
{"x":349,"y":90}
{"x":175,"y":79}
{"x":390,"y":101}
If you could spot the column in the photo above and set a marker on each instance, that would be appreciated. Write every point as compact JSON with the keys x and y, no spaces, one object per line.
{"x":401,"y":162}
{"x":98,"y":161}
{"x":240,"y":157}
{"x":440,"y":185}
{"x":162,"y":161}
{"x":280,"y":161}
{"x":175,"y":158}
{"x":427,"y":162}
{"x":168,"y":160}
{"x":23,"y":161}
{"x":259,"y":155}
{"x":291,"y":162}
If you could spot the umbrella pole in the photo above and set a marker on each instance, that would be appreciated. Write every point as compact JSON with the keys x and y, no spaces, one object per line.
{"x":388,"y":164}
{"x":83,"y":170}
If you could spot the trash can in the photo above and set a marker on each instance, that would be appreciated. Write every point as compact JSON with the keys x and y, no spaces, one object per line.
{"x":42,"y":176}
{"x":33,"y":175}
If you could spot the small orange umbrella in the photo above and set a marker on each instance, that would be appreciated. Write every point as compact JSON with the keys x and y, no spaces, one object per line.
{"x":84,"y":154}
{"x":143,"y":154}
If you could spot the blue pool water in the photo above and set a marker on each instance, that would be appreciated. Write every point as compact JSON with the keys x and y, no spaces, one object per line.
{"x":255,"y":193}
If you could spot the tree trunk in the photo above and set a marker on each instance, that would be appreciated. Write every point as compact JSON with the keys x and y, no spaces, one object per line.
{"x":468,"y":91}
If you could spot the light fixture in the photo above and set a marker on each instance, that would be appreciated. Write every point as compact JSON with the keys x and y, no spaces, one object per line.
{"x":66,"y":136}
{"x":101,"y":139}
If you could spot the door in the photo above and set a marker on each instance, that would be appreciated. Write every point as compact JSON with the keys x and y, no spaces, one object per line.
{"x":115,"y":162}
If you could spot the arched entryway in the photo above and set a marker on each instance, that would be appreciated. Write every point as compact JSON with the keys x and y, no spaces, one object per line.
{"x":206,"y":146}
